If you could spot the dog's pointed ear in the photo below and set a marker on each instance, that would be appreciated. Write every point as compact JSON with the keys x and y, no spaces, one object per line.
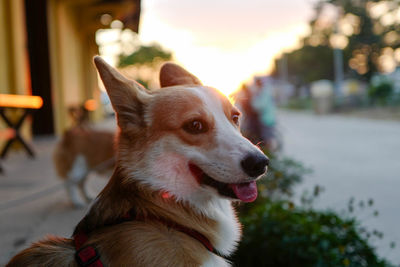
{"x":127,"y":97}
{"x":172,"y":74}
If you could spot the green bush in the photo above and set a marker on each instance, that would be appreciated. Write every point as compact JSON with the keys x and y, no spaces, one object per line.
{"x":278,"y":233}
{"x":299,"y":104}
{"x":380,"y":92}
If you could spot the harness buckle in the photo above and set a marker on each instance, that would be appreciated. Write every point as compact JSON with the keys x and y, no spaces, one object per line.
{"x":88,"y":257}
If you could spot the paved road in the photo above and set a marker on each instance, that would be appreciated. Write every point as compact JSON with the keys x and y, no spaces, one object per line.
{"x":351,"y":157}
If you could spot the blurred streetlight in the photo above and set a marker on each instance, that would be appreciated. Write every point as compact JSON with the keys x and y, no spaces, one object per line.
{"x":338,"y":41}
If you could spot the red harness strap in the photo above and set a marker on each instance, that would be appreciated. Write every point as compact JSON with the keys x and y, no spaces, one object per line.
{"x":88,"y":256}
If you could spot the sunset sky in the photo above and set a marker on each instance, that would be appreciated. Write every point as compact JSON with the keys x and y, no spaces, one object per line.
{"x":225,"y":42}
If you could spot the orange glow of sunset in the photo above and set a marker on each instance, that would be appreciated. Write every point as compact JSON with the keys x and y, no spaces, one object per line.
{"x":226,"y":70}
{"x":223,"y":67}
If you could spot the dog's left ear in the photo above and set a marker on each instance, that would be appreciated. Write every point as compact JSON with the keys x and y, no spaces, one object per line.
{"x":172,"y":74}
{"x":128,"y":97}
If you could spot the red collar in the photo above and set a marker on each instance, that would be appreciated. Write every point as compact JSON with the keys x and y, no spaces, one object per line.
{"x":88,"y":255}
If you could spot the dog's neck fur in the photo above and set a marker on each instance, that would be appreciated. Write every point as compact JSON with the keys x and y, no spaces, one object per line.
{"x":218,"y":222}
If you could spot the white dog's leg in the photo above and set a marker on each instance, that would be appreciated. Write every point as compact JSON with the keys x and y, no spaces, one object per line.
{"x":73,"y":194}
{"x":83,"y":190}
{"x":75,"y":180}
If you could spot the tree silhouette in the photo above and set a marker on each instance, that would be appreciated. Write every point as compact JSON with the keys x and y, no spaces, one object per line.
{"x":145,"y":55}
{"x":368,"y":31}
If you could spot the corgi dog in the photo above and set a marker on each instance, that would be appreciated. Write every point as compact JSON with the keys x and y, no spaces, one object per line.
{"x":181,"y":162}
{"x":80,"y":151}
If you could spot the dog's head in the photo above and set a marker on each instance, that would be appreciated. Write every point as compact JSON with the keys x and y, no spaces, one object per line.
{"x":184,"y":139}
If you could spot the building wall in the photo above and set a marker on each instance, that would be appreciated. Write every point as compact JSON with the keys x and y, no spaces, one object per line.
{"x":19,"y":52}
{"x":14,"y":74}
{"x":4,"y":71}
{"x":72,"y":49}
{"x":65,"y":58}
{"x":60,"y":115}
{"x":72,"y":25}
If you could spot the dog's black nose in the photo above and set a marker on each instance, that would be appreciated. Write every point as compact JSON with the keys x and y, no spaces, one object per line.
{"x":254,"y":164}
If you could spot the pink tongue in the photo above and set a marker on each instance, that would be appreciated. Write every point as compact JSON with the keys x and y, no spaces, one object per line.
{"x":246,"y":192}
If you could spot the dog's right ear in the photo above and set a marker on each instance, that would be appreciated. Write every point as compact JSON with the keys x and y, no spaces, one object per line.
{"x":127,"y":97}
{"x":172,"y":74}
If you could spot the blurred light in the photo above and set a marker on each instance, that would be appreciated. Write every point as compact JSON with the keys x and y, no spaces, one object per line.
{"x":90,"y":104}
{"x":376,"y":10}
{"x":388,"y":51}
{"x":387,"y":19}
{"x":346,"y":28}
{"x":7,"y":134}
{"x":338,"y":41}
{"x":117,"y":24}
{"x":21,"y":101}
{"x":391,"y":38}
{"x":397,"y":15}
{"x":361,"y":58}
{"x":219,"y":60}
{"x":315,"y":40}
{"x":105,"y":19}
{"x":354,"y":22}
{"x":362,"y":69}
{"x":107,"y":36}
{"x":353,"y":63}
{"x":387,"y":63}
{"x":397,"y":54}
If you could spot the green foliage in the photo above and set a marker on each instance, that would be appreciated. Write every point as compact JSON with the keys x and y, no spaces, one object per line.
{"x":311,"y":63}
{"x":276,"y":233}
{"x":144,"y":63}
{"x":381,"y":92}
{"x":299,"y":104}
{"x":145,"y":55}
{"x":283,"y":173}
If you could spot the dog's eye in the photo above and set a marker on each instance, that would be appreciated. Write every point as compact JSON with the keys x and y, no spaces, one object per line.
{"x":235,"y":119}
{"x":195,"y":127}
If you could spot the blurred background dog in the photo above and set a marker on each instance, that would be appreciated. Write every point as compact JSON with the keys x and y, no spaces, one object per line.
{"x":80,"y":151}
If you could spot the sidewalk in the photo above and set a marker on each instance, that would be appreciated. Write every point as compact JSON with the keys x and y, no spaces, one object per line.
{"x":33,"y":201}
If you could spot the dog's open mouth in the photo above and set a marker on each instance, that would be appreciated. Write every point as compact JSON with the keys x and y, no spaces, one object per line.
{"x":246,"y":192}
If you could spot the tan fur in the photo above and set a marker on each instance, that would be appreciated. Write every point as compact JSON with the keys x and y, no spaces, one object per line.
{"x":96,"y":146}
{"x":52,"y":251}
{"x":144,"y":242}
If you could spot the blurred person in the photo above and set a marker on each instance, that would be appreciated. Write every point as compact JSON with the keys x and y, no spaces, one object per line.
{"x":263,"y":103}
{"x":250,"y":122}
